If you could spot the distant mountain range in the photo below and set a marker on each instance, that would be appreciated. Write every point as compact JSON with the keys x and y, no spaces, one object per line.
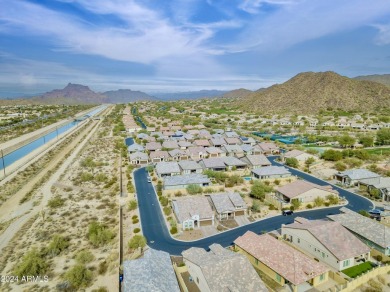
{"x":384,"y":78}
{"x":127,"y":95}
{"x":190,"y":94}
{"x":310,"y":92}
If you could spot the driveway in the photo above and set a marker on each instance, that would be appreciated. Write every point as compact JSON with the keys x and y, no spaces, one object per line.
{"x":157,"y":234}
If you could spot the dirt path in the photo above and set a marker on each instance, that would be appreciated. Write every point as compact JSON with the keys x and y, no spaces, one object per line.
{"x":45,"y":192}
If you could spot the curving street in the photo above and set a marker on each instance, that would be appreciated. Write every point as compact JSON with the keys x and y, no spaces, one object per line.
{"x":157,"y":233}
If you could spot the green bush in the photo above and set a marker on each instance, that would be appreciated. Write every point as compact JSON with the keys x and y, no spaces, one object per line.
{"x":84,"y":257}
{"x":173,"y":230}
{"x":132,"y":205}
{"x":134,"y":217}
{"x":101,"y":177}
{"x":167,"y":211}
{"x":259,"y":189}
{"x":318,"y":202}
{"x":272,"y":207}
{"x":32,"y":263}
{"x":135,"y":221}
{"x":136,"y":230}
{"x":309,"y":206}
{"x":178,"y":194}
{"x":79,"y":276}
{"x":98,"y":234}
{"x":103,"y":266}
{"x":164,"y":201}
{"x":327,"y":204}
{"x":56,"y":202}
{"x":340,"y":166}
{"x":292,"y":162}
{"x":137,"y":241}
{"x":86,"y":176}
{"x":57,"y":245}
{"x":194,"y":189}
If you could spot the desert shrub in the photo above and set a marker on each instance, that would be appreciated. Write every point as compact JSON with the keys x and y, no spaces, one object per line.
{"x":333,"y":199}
{"x":136,"y":230}
{"x":134,"y":217}
{"x":86,"y":176}
{"x":56,"y":202}
{"x":272,"y":207}
{"x":309,"y":206}
{"x":101,"y":177}
{"x":79,"y":276}
{"x":84,"y":257}
{"x":173,"y":230}
{"x":32,"y":263}
{"x":167,"y":211}
{"x":137,"y":241}
{"x":256,"y":206}
{"x":98,"y":234}
{"x":132,"y":205}
{"x":208,"y":190}
{"x":340,"y":166}
{"x":259,"y":189}
{"x":292,"y":162}
{"x":178,"y":194}
{"x":57,"y":245}
{"x":102,"y":269}
{"x":318,"y":202}
{"x":327,"y":204}
{"x":194,"y":189}
{"x":163,"y":201}
{"x":277,"y":182}
{"x":135,"y":221}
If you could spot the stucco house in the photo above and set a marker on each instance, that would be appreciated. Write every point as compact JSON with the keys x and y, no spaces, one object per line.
{"x":217,"y":142}
{"x":183,"y":181}
{"x":234,"y":163}
{"x":170,"y":145}
{"x":354,"y":176}
{"x":269,"y":148}
{"x":228,"y":205}
{"x":270,"y":172}
{"x":197,"y":152}
{"x":152,"y":272}
{"x":371,"y":232}
{"x":298,"y":155}
{"x":329,"y":242}
{"x":221,"y":270}
{"x":280,"y":262}
{"x":215,"y":152}
{"x":216,"y":164}
{"x":153,"y":146}
{"x":159,"y":156}
{"x":193,"y":212}
{"x":139,"y":158}
{"x":189,"y":166}
{"x":170,"y":168}
{"x":256,"y":161}
{"x":135,"y":148}
{"x":233,"y":150}
{"x":303,"y":191}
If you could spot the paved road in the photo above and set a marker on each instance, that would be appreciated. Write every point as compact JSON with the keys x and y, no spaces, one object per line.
{"x":157,"y":234}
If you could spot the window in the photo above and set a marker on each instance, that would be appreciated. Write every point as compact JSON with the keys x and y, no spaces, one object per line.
{"x":256,"y":261}
{"x":322,"y":277}
{"x":278,"y":278}
{"x":197,"y":280}
{"x":299,"y":240}
{"x":345,"y":263}
{"x":323,"y":254}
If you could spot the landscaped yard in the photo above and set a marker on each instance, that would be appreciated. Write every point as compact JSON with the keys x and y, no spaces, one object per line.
{"x":381,"y":151}
{"x":358,"y":270}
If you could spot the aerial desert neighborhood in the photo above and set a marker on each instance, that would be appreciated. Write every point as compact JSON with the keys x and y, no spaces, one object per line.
{"x":194,"y":146}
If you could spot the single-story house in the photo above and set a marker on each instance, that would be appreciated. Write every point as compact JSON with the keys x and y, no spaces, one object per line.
{"x":202,"y":142}
{"x":371,"y":232}
{"x":383,"y":186}
{"x":217,"y":142}
{"x":248,"y":141}
{"x":247,"y":149}
{"x":158,"y":156}
{"x":178,"y":154}
{"x":228,"y":205}
{"x":281,"y":262}
{"x":304,"y":191}
{"x":197,"y":152}
{"x":135,"y":148}
{"x":183,"y":181}
{"x":153,"y":146}
{"x":193,"y":212}
{"x":233,"y":150}
{"x":139,"y":158}
{"x":233,"y":162}
{"x":269,"y":148}
{"x":190,"y":166}
{"x":270,"y":172}
{"x":204,"y":134}
{"x":157,"y":135}
{"x":142,"y":136}
{"x":152,"y":272}
{"x":329,"y":242}
{"x":167,"y":168}
{"x":184,"y":144}
{"x":221,"y":270}
{"x":233,"y":141}
{"x":256,"y":161}
{"x":216,"y":164}
{"x":231,"y":134}
{"x":215,"y":152}
{"x":170,"y":145}
{"x":355,"y":176}
{"x":298,"y":155}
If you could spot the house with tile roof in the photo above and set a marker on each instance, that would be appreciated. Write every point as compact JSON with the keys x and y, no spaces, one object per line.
{"x":193,"y":212}
{"x":183,"y":181}
{"x":215,"y":152}
{"x":231,"y":134}
{"x":170,"y":168}
{"x":269,"y":148}
{"x":298,"y":155}
{"x":233,"y":141}
{"x":139,"y":158}
{"x":170,"y":145}
{"x":303,"y":191}
{"x":159,"y":156}
{"x":178,"y":155}
{"x":152,"y":272}
{"x":371,"y":232}
{"x":135,"y":148}
{"x":202,"y":142}
{"x":280,"y":262}
{"x":221,"y":270}
{"x":217,"y":142}
{"x":190,"y":166}
{"x":233,"y":163}
{"x":248,"y":141}
{"x":270,"y":172}
{"x":329,"y":242}
{"x":153,"y":146}
{"x":233,"y":150}
{"x":352,"y":177}
{"x":256,"y":161}
{"x":184,"y":145}
{"x":196,"y":153}
{"x":215,"y":164}
{"x":228,"y":205}
{"x":382,"y":186}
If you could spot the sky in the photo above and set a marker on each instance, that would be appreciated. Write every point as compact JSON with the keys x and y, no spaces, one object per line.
{"x":186,"y":45}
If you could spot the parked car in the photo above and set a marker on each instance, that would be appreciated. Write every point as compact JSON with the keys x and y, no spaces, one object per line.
{"x":287,"y":212}
{"x":149,"y":180}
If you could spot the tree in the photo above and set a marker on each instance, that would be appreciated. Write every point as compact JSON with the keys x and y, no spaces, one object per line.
{"x":332,"y":155}
{"x":57,"y":245}
{"x":259,"y":189}
{"x":132,"y":205}
{"x":346,"y":141}
{"x":340,"y":166}
{"x":138,"y":241}
{"x":256,"y":206}
{"x":32,"y":263}
{"x":309,"y":161}
{"x":318,"y":202}
{"x":292,"y":162}
{"x":98,"y":234}
{"x":383,"y":136}
{"x":296,"y":203}
{"x":193,"y":189}
{"x":79,"y":276}
{"x":367,"y":141}
{"x":333,"y":199}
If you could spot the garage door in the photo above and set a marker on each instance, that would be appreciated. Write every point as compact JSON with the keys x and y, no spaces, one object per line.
{"x":240,"y":213}
{"x":206,"y":222}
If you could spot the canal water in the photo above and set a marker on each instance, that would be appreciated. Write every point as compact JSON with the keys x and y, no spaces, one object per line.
{"x":26,"y":149}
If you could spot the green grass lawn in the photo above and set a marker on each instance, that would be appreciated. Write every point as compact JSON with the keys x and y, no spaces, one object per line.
{"x":355,"y":271}
{"x":383,"y":151}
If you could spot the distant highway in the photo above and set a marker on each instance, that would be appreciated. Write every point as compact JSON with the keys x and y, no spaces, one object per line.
{"x":157,"y":233}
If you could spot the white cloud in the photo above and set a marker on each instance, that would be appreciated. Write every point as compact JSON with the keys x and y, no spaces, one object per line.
{"x":383,"y":37}
{"x":254,"y":6}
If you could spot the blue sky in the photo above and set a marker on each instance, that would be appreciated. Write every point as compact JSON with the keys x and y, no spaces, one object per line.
{"x":180,"y":45}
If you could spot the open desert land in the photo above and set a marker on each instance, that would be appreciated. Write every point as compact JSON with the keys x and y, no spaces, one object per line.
{"x":71,"y":227}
